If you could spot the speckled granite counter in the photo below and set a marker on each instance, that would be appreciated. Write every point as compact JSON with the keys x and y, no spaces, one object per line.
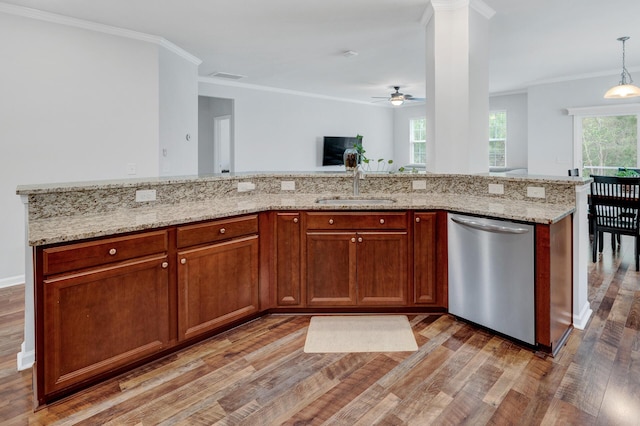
{"x":70,"y":212}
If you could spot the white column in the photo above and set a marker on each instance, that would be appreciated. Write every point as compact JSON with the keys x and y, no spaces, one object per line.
{"x":27,"y":355}
{"x":457,"y":59}
{"x":581,"y":308}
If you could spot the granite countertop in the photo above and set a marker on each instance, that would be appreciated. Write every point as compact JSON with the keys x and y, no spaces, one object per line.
{"x":83,"y":226}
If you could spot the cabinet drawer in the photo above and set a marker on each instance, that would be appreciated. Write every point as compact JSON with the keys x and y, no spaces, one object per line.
{"x":356,"y":220}
{"x":216,"y":231}
{"x":94,"y":253}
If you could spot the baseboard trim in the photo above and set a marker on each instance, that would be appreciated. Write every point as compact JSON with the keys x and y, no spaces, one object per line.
{"x":25,"y":359}
{"x":11,"y":281}
{"x":580,"y":321}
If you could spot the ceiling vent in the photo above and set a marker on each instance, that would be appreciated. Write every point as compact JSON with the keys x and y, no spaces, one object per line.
{"x":226,"y":75}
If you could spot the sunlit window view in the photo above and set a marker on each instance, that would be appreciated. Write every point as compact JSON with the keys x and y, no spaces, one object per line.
{"x":418,"y":141}
{"x":609,"y":144}
{"x":498,"y":139}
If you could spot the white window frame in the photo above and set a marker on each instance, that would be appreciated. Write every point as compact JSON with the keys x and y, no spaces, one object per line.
{"x":599,"y":111}
{"x":506,"y":135}
{"x":413,"y":142}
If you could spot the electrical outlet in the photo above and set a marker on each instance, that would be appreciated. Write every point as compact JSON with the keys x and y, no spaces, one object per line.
{"x":131,"y":169}
{"x":535,"y":191}
{"x":419,"y":184}
{"x":145,"y":195}
{"x":288,"y":185}
{"x":496,"y":188}
{"x":246,"y":186}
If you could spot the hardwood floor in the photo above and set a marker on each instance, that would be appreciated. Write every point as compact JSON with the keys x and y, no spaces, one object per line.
{"x":258,"y":374}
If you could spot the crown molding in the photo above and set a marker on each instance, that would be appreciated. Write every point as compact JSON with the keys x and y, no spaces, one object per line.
{"x":478,"y":5}
{"x":94,"y":26}
{"x":219,"y":82}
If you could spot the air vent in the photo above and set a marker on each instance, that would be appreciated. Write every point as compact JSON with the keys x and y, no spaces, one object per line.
{"x":226,"y":75}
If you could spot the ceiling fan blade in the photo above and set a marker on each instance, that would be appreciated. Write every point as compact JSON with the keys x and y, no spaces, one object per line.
{"x":411,"y":98}
{"x":380,"y":97}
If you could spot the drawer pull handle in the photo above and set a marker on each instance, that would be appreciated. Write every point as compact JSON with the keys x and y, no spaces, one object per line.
{"x":183,"y":260}
{"x":165,"y":265}
{"x":359,"y":239}
{"x":353,"y":240}
{"x":112,"y":252}
{"x":417,"y":220}
{"x":381,"y":221}
{"x":295,"y":220}
{"x":222,"y":230}
{"x":330,"y":221}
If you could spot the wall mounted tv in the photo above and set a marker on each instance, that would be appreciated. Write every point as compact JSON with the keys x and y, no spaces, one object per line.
{"x":334,"y":146}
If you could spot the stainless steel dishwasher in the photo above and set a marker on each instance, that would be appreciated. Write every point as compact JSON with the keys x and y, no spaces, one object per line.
{"x":491,"y":274}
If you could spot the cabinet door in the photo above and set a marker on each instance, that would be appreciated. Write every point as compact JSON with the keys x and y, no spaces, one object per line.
{"x":382,"y":268}
{"x":331,"y":268}
{"x":424,"y":255}
{"x":217,"y":285}
{"x":102,"y":319}
{"x":287,"y":259}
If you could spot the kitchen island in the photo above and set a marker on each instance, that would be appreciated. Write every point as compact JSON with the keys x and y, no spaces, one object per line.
{"x":151,"y":258}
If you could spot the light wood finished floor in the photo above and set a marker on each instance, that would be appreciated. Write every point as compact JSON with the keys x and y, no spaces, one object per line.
{"x":258,"y":374}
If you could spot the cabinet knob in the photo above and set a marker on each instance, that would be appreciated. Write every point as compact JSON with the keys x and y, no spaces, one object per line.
{"x":417,"y":220}
{"x":165,"y":265}
{"x":359,"y":239}
{"x":183,"y":260}
{"x":112,"y":252}
{"x":330,"y":221}
{"x":295,"y":220}
{"x":222,"y":230}
{"x":353,"y":240}
{"x":381,"y":221}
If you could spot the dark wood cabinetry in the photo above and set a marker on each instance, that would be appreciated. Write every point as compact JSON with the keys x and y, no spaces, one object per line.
{"x":424,"y":258}
{"x":286,"y":259}
{"x":356,"y":259}
{"x":218,"y":279}
{"x":102,"y":310}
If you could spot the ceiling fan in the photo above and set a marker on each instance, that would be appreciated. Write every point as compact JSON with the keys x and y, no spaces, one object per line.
{"x":397,"y":98}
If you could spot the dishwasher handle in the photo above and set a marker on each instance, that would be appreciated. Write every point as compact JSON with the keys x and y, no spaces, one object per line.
{"x":489,"y":228}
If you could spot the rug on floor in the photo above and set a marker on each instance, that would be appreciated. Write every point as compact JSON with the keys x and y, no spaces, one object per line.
{"x":359,"y":333}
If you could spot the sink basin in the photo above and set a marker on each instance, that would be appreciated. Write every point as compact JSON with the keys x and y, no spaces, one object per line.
{"x":337,"y":201}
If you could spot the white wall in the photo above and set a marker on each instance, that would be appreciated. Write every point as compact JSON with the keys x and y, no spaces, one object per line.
{"x":401,"y":131}
{"x":280,"y":131}
{"x":178,"y":104}
{"x":517,"y":126}
{"x":550,"y":141}
{"x":80,"y":105}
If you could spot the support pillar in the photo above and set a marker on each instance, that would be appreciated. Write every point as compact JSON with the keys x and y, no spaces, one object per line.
{"x":457,"y":86}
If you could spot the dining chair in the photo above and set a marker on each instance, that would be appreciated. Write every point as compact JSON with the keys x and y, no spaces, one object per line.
{"x":614,"y":208}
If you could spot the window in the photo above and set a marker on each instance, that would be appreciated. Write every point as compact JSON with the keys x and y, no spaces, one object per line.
{"x":609,"y":142}
{"x":418,"y":141}
{"x":498,"y":139}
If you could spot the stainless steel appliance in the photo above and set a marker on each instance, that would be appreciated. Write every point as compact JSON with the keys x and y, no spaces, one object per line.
{"x":491,"y":274}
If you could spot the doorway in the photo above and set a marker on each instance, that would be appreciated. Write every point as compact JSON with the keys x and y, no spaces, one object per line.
{"x":215,"y":135}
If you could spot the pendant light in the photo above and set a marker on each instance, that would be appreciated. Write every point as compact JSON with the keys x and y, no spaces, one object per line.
{"x":624,"y":89}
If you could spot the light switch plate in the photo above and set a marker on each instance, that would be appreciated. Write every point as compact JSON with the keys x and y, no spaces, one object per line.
{"x":143,"y":195}
{"x":419,"y":184}
{"x":535,"y":191}
{"x":288,"y":185}
{"x":496,"y":188}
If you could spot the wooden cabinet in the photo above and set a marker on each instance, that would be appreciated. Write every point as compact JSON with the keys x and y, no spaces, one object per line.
{"x":424,"y":258}
{"x":288,"y":281}
{"x":103,"y":305}
{"x":218,"y":279}
{"x":354,"y":259}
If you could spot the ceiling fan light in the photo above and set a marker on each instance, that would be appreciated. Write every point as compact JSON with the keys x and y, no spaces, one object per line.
{"x":622,"y":91}
{"x":397,"y":101}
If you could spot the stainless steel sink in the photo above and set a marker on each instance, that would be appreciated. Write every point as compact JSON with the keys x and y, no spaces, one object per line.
{"x":337,"y":201}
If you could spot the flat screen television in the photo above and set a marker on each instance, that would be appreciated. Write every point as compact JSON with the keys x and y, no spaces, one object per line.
{"x":334,"y":146}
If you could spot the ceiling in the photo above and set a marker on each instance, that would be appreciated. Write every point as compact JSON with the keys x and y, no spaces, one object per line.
{"x":298,"y":45}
